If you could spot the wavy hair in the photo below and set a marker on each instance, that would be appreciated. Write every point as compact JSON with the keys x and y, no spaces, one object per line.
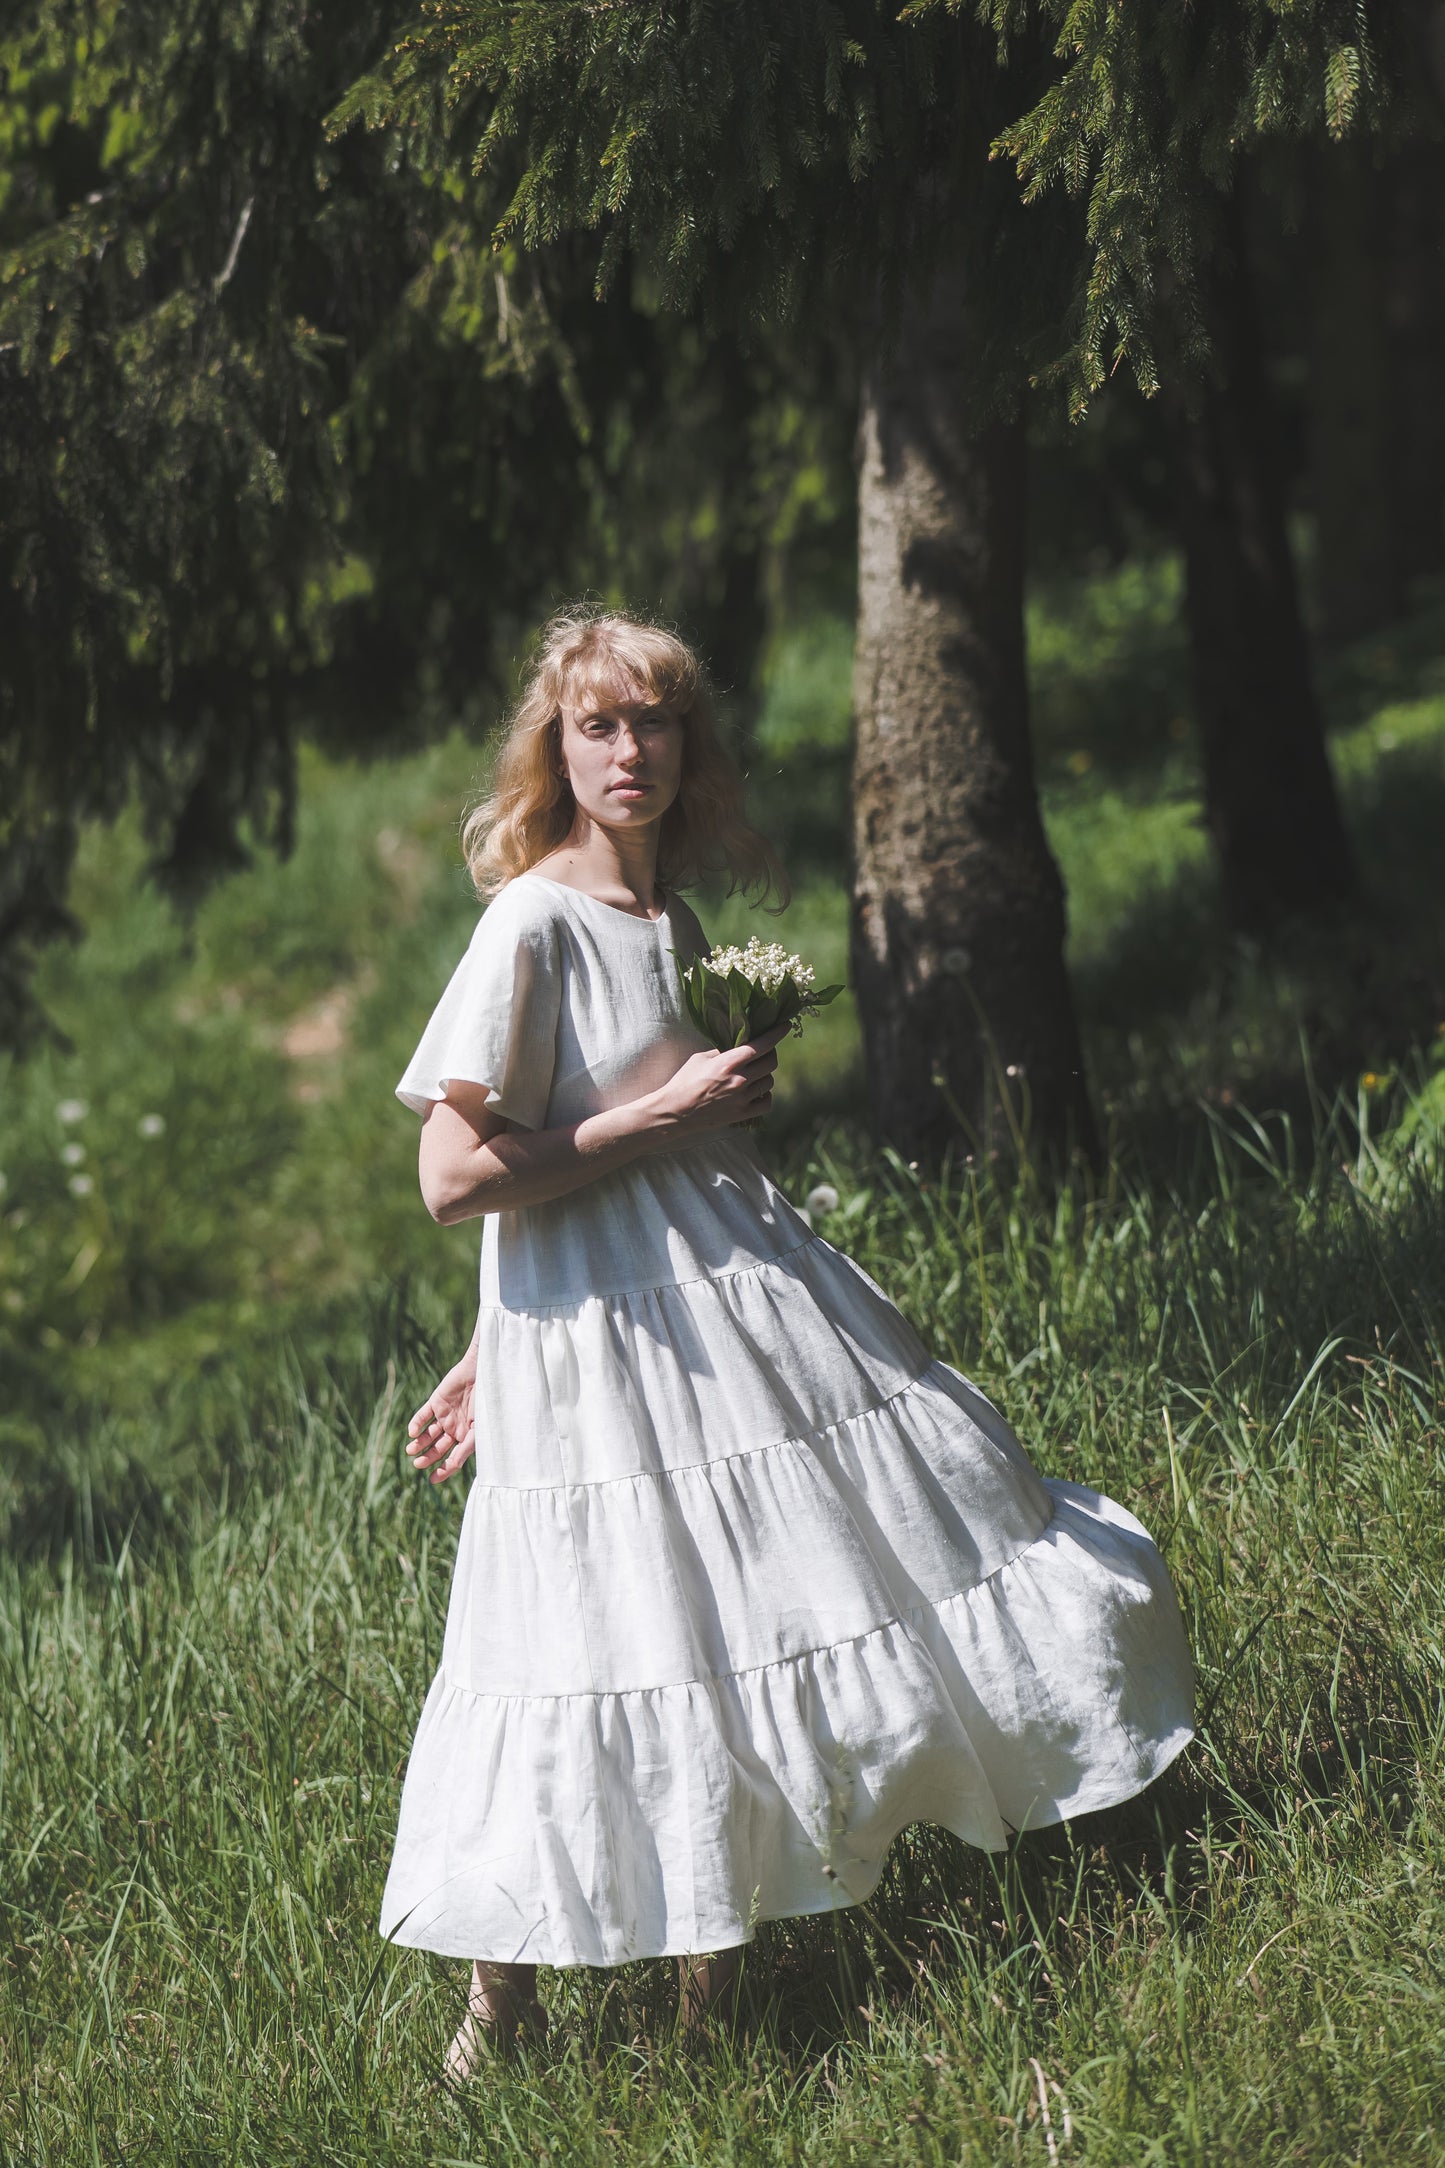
{"x":530,"y":809}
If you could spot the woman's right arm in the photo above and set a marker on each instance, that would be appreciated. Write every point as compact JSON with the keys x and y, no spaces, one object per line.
{"x":471,"y":1161}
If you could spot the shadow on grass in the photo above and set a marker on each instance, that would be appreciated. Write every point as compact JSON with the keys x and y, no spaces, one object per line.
{"x":951,"y":1927}
{"x":1177,"y":1006}
{"x":1112,"y":684}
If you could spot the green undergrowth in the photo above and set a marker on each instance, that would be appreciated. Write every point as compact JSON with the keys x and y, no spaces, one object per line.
{"x":209,"y":1163}
{"x":222,"y":1592}
{"x":203,"y":1729}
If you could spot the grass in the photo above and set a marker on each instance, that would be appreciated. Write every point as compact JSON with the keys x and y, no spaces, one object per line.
{"x":203,"y":1733}
{"x":222,"y":1591}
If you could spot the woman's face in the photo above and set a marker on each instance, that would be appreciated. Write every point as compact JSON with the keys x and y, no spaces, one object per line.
{"x":623,"y":756}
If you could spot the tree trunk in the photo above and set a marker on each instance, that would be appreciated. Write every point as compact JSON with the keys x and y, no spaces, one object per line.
{"x":958,"y":907}
{"x":1357,"y":569}
{"x":1269,"y":794}
{"x":1415,"y":330}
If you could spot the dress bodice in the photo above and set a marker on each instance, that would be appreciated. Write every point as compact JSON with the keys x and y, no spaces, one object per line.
{"x":566,"y":1006}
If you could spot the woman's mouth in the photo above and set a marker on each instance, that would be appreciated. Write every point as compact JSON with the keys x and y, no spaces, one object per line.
{"x":630,"y":790}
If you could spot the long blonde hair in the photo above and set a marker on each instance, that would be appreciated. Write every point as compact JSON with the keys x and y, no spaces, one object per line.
{"x":530,"y":809}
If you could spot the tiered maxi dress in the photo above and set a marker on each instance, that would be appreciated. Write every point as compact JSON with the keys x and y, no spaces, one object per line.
{"x":747,"y":1581}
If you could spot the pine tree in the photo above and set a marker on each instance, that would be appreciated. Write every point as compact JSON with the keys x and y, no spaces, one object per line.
{"x":1153,"y":123}
{"x":177,"y":272}
{"x":286,"y":447}
{"x":829,"y":156}
{"x":811,"y":162}
{"x":1269,"y":794}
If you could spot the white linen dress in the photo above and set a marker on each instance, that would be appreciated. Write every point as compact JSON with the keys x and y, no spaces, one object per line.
{"x":747,"y":1581}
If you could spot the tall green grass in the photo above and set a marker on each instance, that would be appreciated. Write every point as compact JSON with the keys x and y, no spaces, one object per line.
{"x":202,"y":1732}
{"x":222,"y":1589}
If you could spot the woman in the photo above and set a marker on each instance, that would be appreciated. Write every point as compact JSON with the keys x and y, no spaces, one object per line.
{"x":746,"y":1581}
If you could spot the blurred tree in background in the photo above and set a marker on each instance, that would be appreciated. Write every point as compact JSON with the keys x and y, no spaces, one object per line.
{"x":285,"y":448}
{"x":303,"y":423}
{"x":812,"y":157}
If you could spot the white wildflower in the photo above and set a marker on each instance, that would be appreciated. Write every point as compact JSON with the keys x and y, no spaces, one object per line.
{"x":81,"y":1185}
{"x":822,"y":1198}
{"x":72,"y":1154}
{"x":152,"y":1125}
{"x":71,"y":1110}
{"x":765,"y":963}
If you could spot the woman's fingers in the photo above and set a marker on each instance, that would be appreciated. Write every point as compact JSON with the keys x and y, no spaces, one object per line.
{"x":432,"y":1415}
{"x":457,"y":1458}
{"x":447,"y":1451}
{"x":431,"y":1431}
{"x":440,"y":1438}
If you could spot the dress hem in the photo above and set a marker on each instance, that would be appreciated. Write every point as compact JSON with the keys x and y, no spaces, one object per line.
{"x":837,"y":1897}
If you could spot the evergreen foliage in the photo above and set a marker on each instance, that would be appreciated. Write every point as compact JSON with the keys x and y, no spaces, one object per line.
{"x":285,"y":446}
{"x":759,"y":164}
{"x":760,"y":156}
{"x":301,"y":422}
{"x":1147,"y":123}
{"x":183,"y":267}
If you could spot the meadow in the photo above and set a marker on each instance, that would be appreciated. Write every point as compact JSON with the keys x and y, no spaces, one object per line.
{"x":222,"y":1589}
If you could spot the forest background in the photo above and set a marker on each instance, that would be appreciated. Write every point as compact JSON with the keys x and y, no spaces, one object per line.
{"x":307,"y":417}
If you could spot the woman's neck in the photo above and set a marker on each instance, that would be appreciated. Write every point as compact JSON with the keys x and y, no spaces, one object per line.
{"x":616,"y":869}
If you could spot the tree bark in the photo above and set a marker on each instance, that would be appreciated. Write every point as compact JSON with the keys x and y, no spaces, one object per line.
{"x":958,"y":906}
{"x":1357,"y":566}
{"x":1415,"y":332}
{"x":1270,"y":800}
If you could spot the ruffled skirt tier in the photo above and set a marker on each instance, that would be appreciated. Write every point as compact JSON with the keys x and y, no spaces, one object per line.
{"x":747,"y":1583}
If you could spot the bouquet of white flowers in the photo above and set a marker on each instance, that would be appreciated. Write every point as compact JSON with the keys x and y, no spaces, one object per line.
{"x":735,"y":993}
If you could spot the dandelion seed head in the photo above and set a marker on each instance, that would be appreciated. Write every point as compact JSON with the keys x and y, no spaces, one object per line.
{"x":822,"y":1198}
{"x":71,"y":1110}
{"x":81,"y":1185}
{"x":151,"y":1125}
{"x":72,"y":1154}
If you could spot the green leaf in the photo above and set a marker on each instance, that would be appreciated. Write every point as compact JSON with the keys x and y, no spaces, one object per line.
{"x":739,"y":993}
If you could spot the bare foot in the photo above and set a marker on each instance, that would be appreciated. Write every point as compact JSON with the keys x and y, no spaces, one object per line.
{"x":501,"y":2007}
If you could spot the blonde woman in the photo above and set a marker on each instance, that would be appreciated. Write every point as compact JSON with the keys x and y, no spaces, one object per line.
{"x":746,"y":1581}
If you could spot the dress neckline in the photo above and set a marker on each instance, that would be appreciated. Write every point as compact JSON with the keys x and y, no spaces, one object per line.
{"x":615,"y":908}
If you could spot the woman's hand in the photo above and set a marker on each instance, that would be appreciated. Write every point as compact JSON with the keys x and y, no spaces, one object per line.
{"x":473,"y":1160}
{"x":441,"y":1436}
{"x":711,"y":1090}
